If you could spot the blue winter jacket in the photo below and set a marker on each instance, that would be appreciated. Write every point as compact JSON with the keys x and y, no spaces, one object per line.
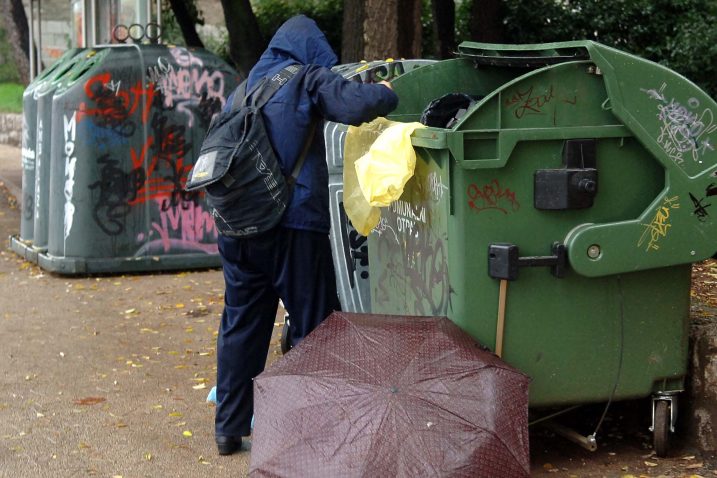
{"x":314,"y":93}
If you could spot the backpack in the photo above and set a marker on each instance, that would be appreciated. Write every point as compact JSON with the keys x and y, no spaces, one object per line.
{"x":237,"y":167}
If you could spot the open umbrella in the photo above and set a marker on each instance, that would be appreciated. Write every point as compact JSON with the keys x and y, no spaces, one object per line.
{"x":382,"y":395}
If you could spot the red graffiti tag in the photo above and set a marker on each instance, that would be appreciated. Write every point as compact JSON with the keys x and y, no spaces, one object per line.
{"x":492,"y":196}
{"x":115,"y":105}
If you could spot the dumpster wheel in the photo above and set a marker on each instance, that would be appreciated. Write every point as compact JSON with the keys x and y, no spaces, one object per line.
{"x":661,"y":432}
{"x":285,"y":346}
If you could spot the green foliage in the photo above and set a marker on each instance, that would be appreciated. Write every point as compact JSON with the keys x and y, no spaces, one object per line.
{"x":8,"y":69}
{"x":328,"y":14}
{"x":11,"y":97}
{"x":680,"y":34}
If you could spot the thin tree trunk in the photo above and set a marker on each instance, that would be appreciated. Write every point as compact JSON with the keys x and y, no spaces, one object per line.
{"x":246,"y":43}
{"x":18,"y":33}
{"x":186,"y":23}
{"x":486,"y":23}
{"x":444,"y":27}
{"x":410,"y":30}
{"x":352,"y":44}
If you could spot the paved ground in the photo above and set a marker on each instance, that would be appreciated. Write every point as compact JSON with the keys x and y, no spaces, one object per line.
{"x":107,"y":376}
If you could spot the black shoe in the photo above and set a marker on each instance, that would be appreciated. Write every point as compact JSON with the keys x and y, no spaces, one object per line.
{"x":228,"y":445}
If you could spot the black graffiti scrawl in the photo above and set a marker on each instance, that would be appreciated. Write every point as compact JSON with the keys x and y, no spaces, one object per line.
{"x":700,"y":209}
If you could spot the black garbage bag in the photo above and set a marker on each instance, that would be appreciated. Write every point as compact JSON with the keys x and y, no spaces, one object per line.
{"x":445,"y":111}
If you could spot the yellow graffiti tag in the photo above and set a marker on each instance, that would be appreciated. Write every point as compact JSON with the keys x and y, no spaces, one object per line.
{"x":660,"y":224}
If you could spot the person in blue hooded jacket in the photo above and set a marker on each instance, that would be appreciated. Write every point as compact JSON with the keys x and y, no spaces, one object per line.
{"x":293,"y":261}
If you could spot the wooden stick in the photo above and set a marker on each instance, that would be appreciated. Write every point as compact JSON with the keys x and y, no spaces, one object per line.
{"x":501,"y":317}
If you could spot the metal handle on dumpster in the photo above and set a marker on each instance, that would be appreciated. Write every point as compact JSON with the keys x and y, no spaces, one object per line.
{"x":504,"y":262}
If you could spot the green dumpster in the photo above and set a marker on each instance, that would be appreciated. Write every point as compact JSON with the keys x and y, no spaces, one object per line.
{"x":557,"y":220}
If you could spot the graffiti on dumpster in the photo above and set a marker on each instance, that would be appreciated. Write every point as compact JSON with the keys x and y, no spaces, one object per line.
{"x":70,"y":133}
{"x":383,"y":227}
{"x":436,"y":187}
{"x":408,"y":216}
{"x":660,"y":225}
{"x":530,"y":101}
{"x":418,"y":272}
{"x":188,"y":85}
{"x":368,"y":73}
{"x":492,"y":196}
{"x":685,"y":130}
{"x":183,"y":226}
{"x":178,"y":94}
{"x":700,"y":209}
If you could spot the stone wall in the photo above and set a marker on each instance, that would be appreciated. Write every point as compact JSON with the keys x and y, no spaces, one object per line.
{"x":11,"y":129}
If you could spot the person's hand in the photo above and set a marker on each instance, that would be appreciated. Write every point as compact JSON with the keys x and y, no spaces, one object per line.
{"x":386,"y":84}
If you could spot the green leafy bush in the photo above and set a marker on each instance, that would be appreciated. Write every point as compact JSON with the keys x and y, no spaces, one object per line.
{"x":680,"y":34}
{"x":328,"y":15}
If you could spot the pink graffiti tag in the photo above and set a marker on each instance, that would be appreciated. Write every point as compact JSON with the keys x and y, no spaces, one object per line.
{"x":194,"y":226}
{"x":492,"y":196}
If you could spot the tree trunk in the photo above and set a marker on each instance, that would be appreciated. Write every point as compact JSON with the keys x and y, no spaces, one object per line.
{"x":246,"y":43}
{"x":352,"y":44}
{"x":392,"y":29}
{"x":444,"y":27}
{"x":486,"y":23}
{"x":18,"y":34}
{"x":186,"y":22}
{"x":410,"y":31}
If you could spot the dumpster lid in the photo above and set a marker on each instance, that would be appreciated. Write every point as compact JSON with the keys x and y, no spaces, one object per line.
{"x":524,"y":56}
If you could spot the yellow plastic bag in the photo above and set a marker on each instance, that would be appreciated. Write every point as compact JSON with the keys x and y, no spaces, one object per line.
{"x":384,"y":170}
{"x":363,"y":217}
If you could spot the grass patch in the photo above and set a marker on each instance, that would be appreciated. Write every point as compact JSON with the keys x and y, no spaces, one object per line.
{"x":11,"y":97}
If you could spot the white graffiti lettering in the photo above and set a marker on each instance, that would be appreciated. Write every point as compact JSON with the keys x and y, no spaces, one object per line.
{"x":70,"y":162}
{"x":684,"y":130}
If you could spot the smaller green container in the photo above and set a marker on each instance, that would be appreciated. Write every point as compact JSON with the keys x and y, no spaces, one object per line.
{"x":30,"y":99}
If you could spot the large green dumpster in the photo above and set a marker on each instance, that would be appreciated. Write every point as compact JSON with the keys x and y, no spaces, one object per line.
{"x":593,"y":166}
{"x":126,"y":126}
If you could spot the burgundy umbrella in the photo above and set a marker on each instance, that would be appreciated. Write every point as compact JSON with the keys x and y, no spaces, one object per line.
{"x":384,"y":395}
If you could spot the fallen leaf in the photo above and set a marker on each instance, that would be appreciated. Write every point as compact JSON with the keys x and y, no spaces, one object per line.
{"x":89,"y":400}
{"x":148,"y":456}
{"x":175,"y":414}
{"x":201,"y":386}
{"x":649,"y":463}
{"x":187,"y":433}
{"x":694,"y":466}
{"x":203,"y":461}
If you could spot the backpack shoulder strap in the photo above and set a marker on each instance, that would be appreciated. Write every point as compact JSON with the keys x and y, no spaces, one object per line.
{"x":239,"y":96}
{"x":305,"y":150}
{"x":262,"y":94}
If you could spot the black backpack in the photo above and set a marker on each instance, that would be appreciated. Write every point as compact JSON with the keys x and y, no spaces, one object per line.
{"x":238,"y":168}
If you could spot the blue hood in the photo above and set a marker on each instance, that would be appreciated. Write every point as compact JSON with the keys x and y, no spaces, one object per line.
{"x":298,"y":40}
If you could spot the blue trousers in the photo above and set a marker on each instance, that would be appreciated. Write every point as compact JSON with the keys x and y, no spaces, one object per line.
{"x":290,"y":264}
